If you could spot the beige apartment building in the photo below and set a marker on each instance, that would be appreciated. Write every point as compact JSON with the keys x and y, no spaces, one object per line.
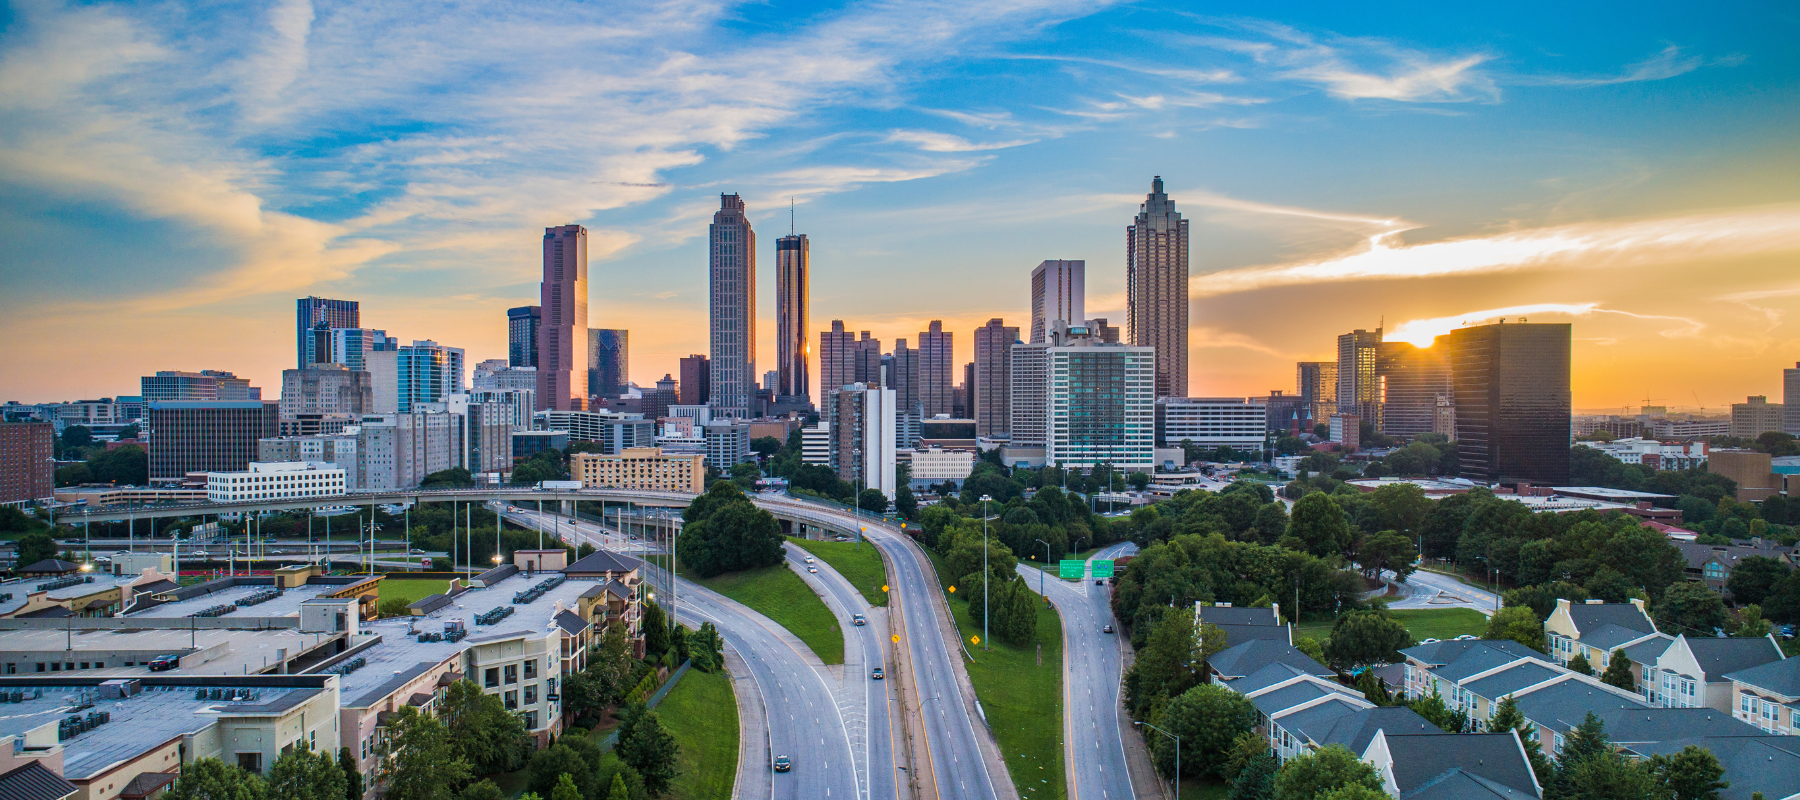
{"x":643,"y":468}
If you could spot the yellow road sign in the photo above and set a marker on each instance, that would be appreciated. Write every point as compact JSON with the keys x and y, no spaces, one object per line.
{"x":896,"y":637}
{"x":884,"y":587}
{"x":974,"y":640}
{"x":953,"y":590}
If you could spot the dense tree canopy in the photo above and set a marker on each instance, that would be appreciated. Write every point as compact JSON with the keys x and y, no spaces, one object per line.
{"x":725,"y":532}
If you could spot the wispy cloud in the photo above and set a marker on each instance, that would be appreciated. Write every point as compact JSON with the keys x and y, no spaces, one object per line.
{"x":1669,"y":63}
{"x":1352,"y":68}
{"x":935,"y":142}
{"x":1422,"y":332}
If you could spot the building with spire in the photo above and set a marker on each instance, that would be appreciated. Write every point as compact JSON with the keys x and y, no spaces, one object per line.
{"x":731,"y":292}
{"x":793,"y":279}
{"x":1156,"y":288}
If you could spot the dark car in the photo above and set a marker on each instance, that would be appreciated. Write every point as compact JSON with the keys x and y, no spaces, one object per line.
{"x":782,"y":764}
{"x":1106,"y":629}
{"x":1099,"y":581}
{"x":164,"y":663}
{"x":877,"y":675}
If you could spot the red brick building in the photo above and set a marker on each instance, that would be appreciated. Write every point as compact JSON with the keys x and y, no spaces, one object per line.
{"x":27,"y":461}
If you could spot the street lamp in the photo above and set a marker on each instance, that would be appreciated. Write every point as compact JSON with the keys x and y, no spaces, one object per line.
{"x":1046,"y":567}
{"x":1177,"y":752}
{"x":986,"y":576}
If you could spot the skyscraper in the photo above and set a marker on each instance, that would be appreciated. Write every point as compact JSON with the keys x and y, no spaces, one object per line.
{"x":937,"y":371}
{"x":1358,"y":381}
{"x":563,"y":331}
{"x":522,"y":325}
{"x":427,"y":372}
{"x":1790,"y":400}
{"x":1413,"y":379}
{"x":1156,"y":288}
{"x":609,"y":362}
{"x":208,"y":435}
{"x":312,"y":312}
{"x":1316,"y":383}
{"x":993,"y":378}
{"x":695,"y":377}
{"x":1058,"y":291}
{"x":732,"y":278}
{"x":793,"y":279}
{"x":844,"y":359}
{"x":1512,"y":401}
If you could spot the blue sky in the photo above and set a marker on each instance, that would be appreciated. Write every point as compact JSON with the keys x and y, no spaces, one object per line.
{"x":174,"y":174}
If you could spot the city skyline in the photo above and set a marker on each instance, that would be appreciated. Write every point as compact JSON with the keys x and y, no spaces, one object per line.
{"x":1629,"y":176}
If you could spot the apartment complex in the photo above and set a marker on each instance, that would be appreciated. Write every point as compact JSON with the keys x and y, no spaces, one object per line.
{"x":642,"y":468}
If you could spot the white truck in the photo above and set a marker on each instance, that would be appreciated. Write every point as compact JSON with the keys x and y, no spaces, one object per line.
{"x":558,"y":486}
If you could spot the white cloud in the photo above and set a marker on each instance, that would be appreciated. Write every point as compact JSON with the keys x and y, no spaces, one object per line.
{"x":1664,"y":65}
{"x":1421,"y":332}
{"x":935,"y":142}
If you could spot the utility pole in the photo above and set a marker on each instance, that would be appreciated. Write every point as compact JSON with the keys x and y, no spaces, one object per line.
{"x":986,"y":576}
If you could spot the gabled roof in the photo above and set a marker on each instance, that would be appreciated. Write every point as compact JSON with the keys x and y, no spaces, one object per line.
{"x":48,"y":612}
{"x":1438,"y":654}
{"x":619,"y":590}
{"x":1355,"y":731}
{"x":1246,"y":658}
{"x":146,"y":784}
{"x":1497,"y":757}
{"x":1458,"y":784}
{"x":1239,"y":615}
{"x":1276,"y":701}
{"x":1721,"y":657}
{"x":1647,"y":651}
{"x":51,"y":565}
{"x":1626,"y":726}
{"x":1780,"y":677}
{"x":1764,"y":763}
{"x":1314,"y":723}
{"x":1728,"y":555}
{"x":1239,"y":634}
{"x":571,"y":622}
{"x":1485,"y":655}
{"x":34,"y":781}
{"x":1512,"y":679}
{"x":1562,"y":706}
{"x":1590,"y":616}
{"x":1609,"y":636}
{"x":601,"y":561}
{"x":1267,"y":676}
{"x":159,"y":585}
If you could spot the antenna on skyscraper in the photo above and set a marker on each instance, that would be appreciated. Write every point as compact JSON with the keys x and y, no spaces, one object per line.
{"x":790,"y":215}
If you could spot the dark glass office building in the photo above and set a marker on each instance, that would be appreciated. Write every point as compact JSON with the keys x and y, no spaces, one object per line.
{"x":315,"y":312}
{"x":1412,"y":380}
{"x":522,"y":335}
{"x":1511,"y":384}
{"x":608,"y":362}
{"x":207,"y":436}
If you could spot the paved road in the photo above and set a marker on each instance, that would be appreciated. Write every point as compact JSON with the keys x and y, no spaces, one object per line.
{"x":1431,"y":590}
{"x":804,"y":720}
{"x":866,"y":704}
{"x":1093,"y":744}
{"x":958,"y":759}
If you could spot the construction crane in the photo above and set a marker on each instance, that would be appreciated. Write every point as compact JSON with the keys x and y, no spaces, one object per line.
{"x":1697,"y":401}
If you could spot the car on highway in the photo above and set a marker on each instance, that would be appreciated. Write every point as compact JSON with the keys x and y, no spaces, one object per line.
{"x":1099,"y":581}
{"x":1106,"y":629}
{"x":416,"y":551}
{"x":877,"y":675}
{"x":809,"y":559}
{"x":782,"y":764}
{"x":812,"y":569}
{"x":857,"y":620}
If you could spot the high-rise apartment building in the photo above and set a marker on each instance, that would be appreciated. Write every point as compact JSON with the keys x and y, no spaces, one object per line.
{"x":563,"y":331}
{"x":1790,"y":400}
{"x":1756,"y":416}
{"x":1100,"y":404}
{"x":844,"y":359}
{"x":318,"y":312}
{"x":1030,"y":395}
{"x":993,"y":378}
{"x":696,"y":381}
{"x":965,"y":394}
{"x":1317,"y":382}
{"x":937,"y":370}
{"x":793,"y":281}
{"x":207,"y":435}
{"x":515,"y":405}
{"x":522,"y":324}
{"x":481,"y":434}
{"x":426,"y":372}
{"x":1413,"y":380}
{"x":863,"y":436}
{"x":374,"y":352}
{"x":609,"y":362}
{"x":1358,"y":376}
{"x":1058,"y":292}
{"x":324,"y":398}
{"x":496,"y":375}
{"x":207,"y":384}
{"x":1107,"y":333}
{"x":1512,"y":401}
{"x":1156,"y":288}
{"x":732,"y":293}
{"x":27,"y":462}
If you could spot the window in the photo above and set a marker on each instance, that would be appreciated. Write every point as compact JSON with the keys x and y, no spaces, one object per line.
{"x":531,"y":694}
{"x":250,"y":762}
{"x":512,"y":700}
{"x":531,"y":669}
{"x":531,"y":720}
{"x":512,"y":674}
{"x":491,"y":678}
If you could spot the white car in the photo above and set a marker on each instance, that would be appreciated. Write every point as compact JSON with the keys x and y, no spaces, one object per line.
{"x":809,"y":559}
{"x":812,"y":569}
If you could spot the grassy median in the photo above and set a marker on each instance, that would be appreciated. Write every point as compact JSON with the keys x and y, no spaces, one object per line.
{"x":701,"y":713}
{"x":1021,"y":697}
{"x":862,"y":568}
{"x":777,"y":593}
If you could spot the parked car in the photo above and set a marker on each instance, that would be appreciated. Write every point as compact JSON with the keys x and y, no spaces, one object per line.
{"x":782,"y":764}
{"x":164,"y":663}
{"x":877,"y":675}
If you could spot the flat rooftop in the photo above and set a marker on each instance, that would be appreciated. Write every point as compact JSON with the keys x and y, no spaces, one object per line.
{"x":1603,"y":493}
{"x":247,"y":652}
{"x":154,"y":716}
{"x":287,"y":605}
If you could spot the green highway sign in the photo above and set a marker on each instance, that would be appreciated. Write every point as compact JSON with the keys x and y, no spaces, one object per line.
{"x":1103,"y":568}
{"x":1069,"y":569}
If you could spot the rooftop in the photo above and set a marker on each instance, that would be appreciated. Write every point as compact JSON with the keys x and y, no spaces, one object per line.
{"x":241,"y":652}
{"x":1721,"y":657}
{"x":1781,"y":677}
{"x":21,"y":589}
{"x":1615,"y":495}
{"x":286,"y":604}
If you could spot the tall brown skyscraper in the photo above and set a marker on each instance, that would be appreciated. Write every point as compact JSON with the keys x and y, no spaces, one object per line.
{"x":732,"y":294}
{"x":1156,"y":288}
{"x":695,"y":377}
{"x":563,"y":332}
{"x":845,"y":359}
{"x":937,"y":371}
{"x":793,"y":276}
{"x":1512,"y":401}
{"x":903,"y":378}
{"x":993,"y":379}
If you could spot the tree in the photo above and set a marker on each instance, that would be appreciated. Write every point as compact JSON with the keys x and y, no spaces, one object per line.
{"x":765,"y":446}
{"x":735,"y":536}
{"x":482,"y":790}
{"x":422,"y":762}
{"x":1308,"y":776}
{"x":1387,"y":550}
{"x":1579,"y":664}
{"x":1245,"y":748}
{"x":483,"y":732}
{"x":1691,"y":608}
{"x":1609,"y":775}
{"x":1436,"y":712}
{"x":1751,"y":623}
{"x":447,"y":478}
{"x":1319,"y":523}
{"x":1507,"y":717}
{"x":1138,"y":480}
{"x":1257,"y":779}
{"x":394,"y":607}
{"x":1588,"y":741}
{"x":619,"y":790}
{"x":1692,"y":774}
{"x":872,"y":501}
{"x":1166,"y":665}
{"x":565,"y":789}
{"x":1311,"y":647}
{"x":1208,"y":718}
{"x":904,"y":501}
{"x":1355,"y":791}
{"x":1015,"y":613}
{"x":745,"y":474}
{"x":656,"y":626}
{"x":647,"y":748}
{"x":76,"y":437}
{"x":128,"y":465}
{"x":212,"y":779}
{"x":35,"y":547}
{"x":551,"y":765}
{"x":1754,"y":578}
{"x":706,"y":648}
{"x":301,"y":774}
{"x":1618,"y":672}
{"x":609,"y":666}
{"x":353,"y":777}
{"x":1518,"y":623}
{"x":1361,"y":638}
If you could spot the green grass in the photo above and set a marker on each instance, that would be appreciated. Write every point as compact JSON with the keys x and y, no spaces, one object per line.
{"x":412,"y":590}
{"x":1022,"y":699}
{"x":777,"y":593}
{"x":1423,"y":623}
{"x":862,"y":568}
{"x":702,"y":715}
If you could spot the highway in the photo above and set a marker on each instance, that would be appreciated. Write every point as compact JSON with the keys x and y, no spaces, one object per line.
{"x":1093,"y":742}
{"x":964,"y":760}
{"x":804,"y":720}
{"x":866,"y":704}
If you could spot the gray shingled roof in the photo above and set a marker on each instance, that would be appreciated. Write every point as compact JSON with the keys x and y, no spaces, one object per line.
{"x":1480,"y":659}
{"x":1590,"y":616}
{"x":1245,"y":659}
{"x":1314,"y":724}
{"x":1418,"y":760}
{"x":1624,"y":726}
{"x":1357,"y":730}
{"x":1721,"y":657}
{"x":1264,"y":678}
{"x":1457,"y":784}
{"x":51,"y":565}
{"x":571,"y":622}
{"x":1279,"y":700}
{"x":1447,"y":651}
{"x":602,"y":561}
{"x":1564,"y":705}
{"x":34,"y":781}
{"x":1781,"y":677}
{"x":1646,"y":652}
{"x":1237,"y":615}
{"x":1512,"y":679}
{"x":1609,"y":636}
{"x":1767,"y":764}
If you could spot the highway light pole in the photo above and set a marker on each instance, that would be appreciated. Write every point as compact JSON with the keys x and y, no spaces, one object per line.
{"x":1177,"y":752}
{"x":1046,"y":567}
{"x":986,"y":576}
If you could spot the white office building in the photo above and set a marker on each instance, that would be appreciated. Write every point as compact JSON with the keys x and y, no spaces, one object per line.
{"x":495,"y":375}
{"x":815,"y":444}
{"x":863,"y":432}
{"x":285,"y":480}
{"x":613,"y":431}
{"x":1652,"y":453}
{"x":1212,"y":422}
{"x":934,"y":465}
{"x":727,"y":443}
{"x":516,"y":404}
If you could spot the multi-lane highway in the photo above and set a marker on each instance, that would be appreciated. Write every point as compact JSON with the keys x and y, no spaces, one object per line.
{"x":1093,"y":744}
{"x":866,"y":704}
